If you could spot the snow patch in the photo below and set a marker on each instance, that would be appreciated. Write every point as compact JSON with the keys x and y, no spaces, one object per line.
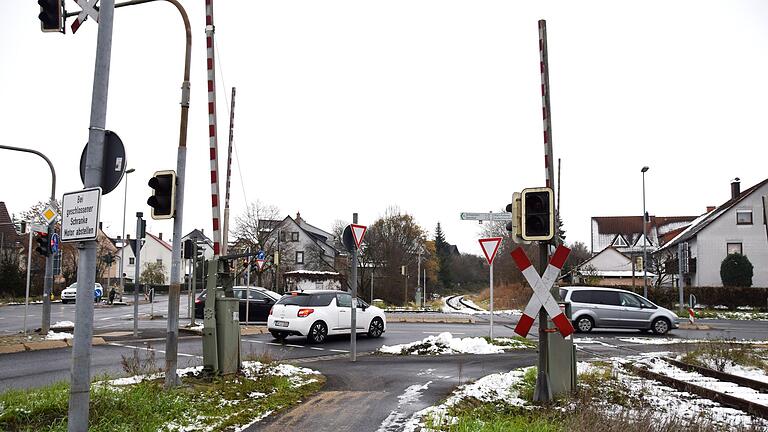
{"x":58,"y":336}
{"x":445,"y":343}
{"x":62,"y":325}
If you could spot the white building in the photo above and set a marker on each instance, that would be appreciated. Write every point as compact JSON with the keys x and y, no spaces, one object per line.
{"x":153,"y":250}
{"x":737,"y":226}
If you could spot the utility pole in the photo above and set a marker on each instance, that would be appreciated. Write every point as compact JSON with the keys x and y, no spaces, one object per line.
{"x":79,"y":394}
{"x":137,"y":274}
{"x":353,"y":320}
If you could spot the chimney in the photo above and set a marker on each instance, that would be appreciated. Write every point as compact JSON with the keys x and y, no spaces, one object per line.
{"x":711,"y":209}
{"x":160,"y":236}
{"x":298,"y":217}
{"x":127,"y":236}
{"x":735,"y":188}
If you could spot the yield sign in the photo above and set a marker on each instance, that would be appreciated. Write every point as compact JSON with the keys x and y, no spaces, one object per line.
{"x":541,"y":295}
{"x":260,"y":263}
{"x":490,"y":247}
{"x":358,"y":231}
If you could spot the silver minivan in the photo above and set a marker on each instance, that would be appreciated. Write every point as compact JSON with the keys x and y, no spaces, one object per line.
{"x":594,"y":307}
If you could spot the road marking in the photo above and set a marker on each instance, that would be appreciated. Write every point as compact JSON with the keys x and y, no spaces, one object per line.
{"x":151,"y":349}
{"x":295,"y":346}
{"x":317,"y":349}
{"x":104,"y":319}
{"x":275,"y":344}
{"x":441,"y":332}
{"x":338,"y":351}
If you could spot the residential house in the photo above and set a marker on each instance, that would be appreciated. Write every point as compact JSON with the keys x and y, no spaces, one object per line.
{"x":304,"y":246}
{"x":610,"y":267}
{"x":203,"y":242}
{"x":625,"y":234}
{"x":153,"y":250}
{"x":736,"y":226}
{"x":9,"y":237}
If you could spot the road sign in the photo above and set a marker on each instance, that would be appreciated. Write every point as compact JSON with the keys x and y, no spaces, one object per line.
{"x":39,"y":228}
{"x":358,"y":231}
{"x":113,"y":164}
{"x":490,"y":246}
{"x":260,"y":263}
{"x":260,"y":255}
{"x":353,"y":236}
{"x":80,"y":215}
{"x":541,"y":295}
{"x":501,"y":216}
{"x":89,"y":9}
{"x":55,"y":243}
{"x":49,"y":214}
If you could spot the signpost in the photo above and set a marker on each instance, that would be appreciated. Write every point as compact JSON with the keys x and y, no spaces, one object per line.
{"x":352,"y":238}
{"x":80,"y":215}
{"x":490,"y":216}
{"x":490,"y":246}
{"x":113,"y":163}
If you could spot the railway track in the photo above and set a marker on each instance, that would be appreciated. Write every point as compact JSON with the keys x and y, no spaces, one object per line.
{"x":703,"y":387}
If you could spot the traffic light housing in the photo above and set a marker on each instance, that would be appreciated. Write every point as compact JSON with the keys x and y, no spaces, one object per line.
{"x":43,"y":243}
{"x":51,"y":15}
{"x":163,"y":199}
{"x":187,"y":251}
{"x":537,"y":214}
{"x":200,"y":252}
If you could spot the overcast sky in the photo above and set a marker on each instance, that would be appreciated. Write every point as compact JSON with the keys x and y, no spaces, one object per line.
{"x":432,"y":106}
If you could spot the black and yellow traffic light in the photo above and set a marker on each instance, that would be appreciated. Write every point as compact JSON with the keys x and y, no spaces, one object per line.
{"x":43,"y":240}
{"x":537,"y":214}
{"x":163,"y":199}
{"x":51,"y":15}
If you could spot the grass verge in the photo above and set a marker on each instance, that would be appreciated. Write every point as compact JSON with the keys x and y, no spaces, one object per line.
{"x":202,"y":403}
{"x":721,"y":355}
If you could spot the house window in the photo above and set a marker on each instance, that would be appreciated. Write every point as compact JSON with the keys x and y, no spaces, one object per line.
{"x":743,"y":217}
{"x":734,"y":248}
{"x":295,"y":236}
{"x":299,"y":257}
{"x":131,"y":261}
{"x":159,"y":261}
{"x":639,"y":263}
{"x":282,"y":236}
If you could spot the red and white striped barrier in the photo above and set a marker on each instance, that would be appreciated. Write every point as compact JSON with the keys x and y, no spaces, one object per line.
{"x":214,"y":145}
{"x":541,"y":295}
{"x":691,"y":315}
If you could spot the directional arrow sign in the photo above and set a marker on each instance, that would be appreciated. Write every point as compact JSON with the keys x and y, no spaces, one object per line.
{"x":358,"y":231}
{"x":501,"y":216}
{"x":260,"y":264}
{"x":490,"y":246}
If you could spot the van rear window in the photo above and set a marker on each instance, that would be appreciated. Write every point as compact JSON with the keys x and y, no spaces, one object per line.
{"x":299,"y":299}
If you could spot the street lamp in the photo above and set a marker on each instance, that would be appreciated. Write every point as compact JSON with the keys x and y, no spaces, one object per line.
{"x":645,"y":231}
{"x":122,"y":249}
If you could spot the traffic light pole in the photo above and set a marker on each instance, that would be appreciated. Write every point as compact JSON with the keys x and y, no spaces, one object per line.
{"x":79,"y":394}
{"x":137,"y":275}
{"x":48,"y":285}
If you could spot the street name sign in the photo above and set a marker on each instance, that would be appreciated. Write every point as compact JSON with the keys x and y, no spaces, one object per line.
{"x":541,"y":295}
{"x":80,"y":215}
{"x":490,"y":216}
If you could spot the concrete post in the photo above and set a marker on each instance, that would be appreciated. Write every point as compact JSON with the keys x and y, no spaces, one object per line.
{"x":137,"y":275}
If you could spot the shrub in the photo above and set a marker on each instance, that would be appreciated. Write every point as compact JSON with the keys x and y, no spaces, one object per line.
{"x":736,"y":271}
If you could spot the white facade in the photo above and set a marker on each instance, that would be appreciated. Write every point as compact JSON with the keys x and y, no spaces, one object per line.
{"x":152,"y":250}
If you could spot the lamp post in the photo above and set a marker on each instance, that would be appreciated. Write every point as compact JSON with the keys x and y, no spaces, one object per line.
{"x":122,"y":249}
{"x":645,"y":233}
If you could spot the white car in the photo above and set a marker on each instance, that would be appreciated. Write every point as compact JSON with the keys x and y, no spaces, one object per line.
{"x":70,"y":293}
{"x":316,"y":314}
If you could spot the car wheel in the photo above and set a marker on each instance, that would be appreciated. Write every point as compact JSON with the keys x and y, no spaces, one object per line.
{"x":584,"y":324}
{"x":278,"y":335}
{"x":317,"y":333}
{"x":660,"y":326}
{"x":376,"y":328}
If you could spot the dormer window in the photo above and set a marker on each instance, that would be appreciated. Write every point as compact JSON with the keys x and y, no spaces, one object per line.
{"x":619,"y":241}
{"x":743,"y":217}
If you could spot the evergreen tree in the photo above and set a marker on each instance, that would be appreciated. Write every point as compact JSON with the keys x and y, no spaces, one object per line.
{"x":443,"y":258}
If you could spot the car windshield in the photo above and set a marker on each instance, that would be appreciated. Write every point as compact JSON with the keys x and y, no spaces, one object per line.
{"x":295,"y":299}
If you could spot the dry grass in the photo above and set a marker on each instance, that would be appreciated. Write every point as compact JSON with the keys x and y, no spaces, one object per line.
{"x":507,"y":296}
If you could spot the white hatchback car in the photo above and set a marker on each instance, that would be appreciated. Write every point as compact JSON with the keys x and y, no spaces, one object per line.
{"x":319,"y":313}
{"x":70,"y":293}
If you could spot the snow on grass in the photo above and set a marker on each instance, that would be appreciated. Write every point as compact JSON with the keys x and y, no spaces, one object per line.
{"x":445,"y":343}
{"x":52,"y":335}
{"x":672,"y":341}
{"x":63,"y":325}
{"x":499,"y":387}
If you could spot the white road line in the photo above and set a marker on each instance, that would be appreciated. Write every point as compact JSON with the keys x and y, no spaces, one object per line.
{"x":295,"y":346}
{"x":442,"y":332}
{"x":104,"y":319}
{"x":275,"y":344}
{"x":151,"y":349}
{"x":317,"y":349}
{"x":339,"y":351}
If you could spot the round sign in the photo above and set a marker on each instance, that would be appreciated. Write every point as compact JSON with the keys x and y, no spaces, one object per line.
{"x":113,"y":164}
{"x":55,"y":243}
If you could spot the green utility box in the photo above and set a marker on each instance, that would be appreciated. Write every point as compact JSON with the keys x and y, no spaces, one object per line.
{"x":228,"y":334}
{"x":562,"y":359}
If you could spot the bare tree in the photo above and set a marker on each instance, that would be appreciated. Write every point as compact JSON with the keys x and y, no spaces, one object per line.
{"x":257,"y":228}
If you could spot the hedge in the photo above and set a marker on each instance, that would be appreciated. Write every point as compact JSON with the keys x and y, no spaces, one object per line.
{"x":710,"y":296}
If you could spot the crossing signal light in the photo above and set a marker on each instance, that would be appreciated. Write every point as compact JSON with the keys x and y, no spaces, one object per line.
{"x":200,"y":252}
{"x":163,"y":199}
{"x":187,"y":251}
{"x":51,"y":14}
{"x":537,"y":218}
{"x":43,"y":244}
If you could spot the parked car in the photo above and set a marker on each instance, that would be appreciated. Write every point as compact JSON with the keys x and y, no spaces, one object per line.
{"x":260,"y":303}
{"x":70,"y":293}
{"x":594,"y":307}
{"x":316,"y":314}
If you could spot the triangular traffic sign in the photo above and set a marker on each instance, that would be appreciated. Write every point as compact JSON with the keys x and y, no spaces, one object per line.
{"x":260,"y":264}
{"x":358,"y":231}
{"x":490,"y":246}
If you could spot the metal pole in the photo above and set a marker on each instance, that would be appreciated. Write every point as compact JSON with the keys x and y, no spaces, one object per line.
{"x":225,"y":231}
{"x":29,"y":271}
{"x":174,"y":290}
{"x":194,"y":283}
{"x":645,"y":221}
{"x":371,"y":285}
{"x":137,"y":275}
{"x":491,"y":286}
{"x":122,"y":250}
{"x":247,"y":277}
{"x":543,"y":390}
{"x":48,"y":284}
{"x":353,"y":322}
{"x":79,"y":397}
{"x":418,"y":275}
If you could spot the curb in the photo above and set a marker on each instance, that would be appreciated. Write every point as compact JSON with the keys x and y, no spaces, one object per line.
{"x":431,"y":320}
{"x":244,"y":331}
{"x":44,"y":345}
{"x":686,"y":326}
